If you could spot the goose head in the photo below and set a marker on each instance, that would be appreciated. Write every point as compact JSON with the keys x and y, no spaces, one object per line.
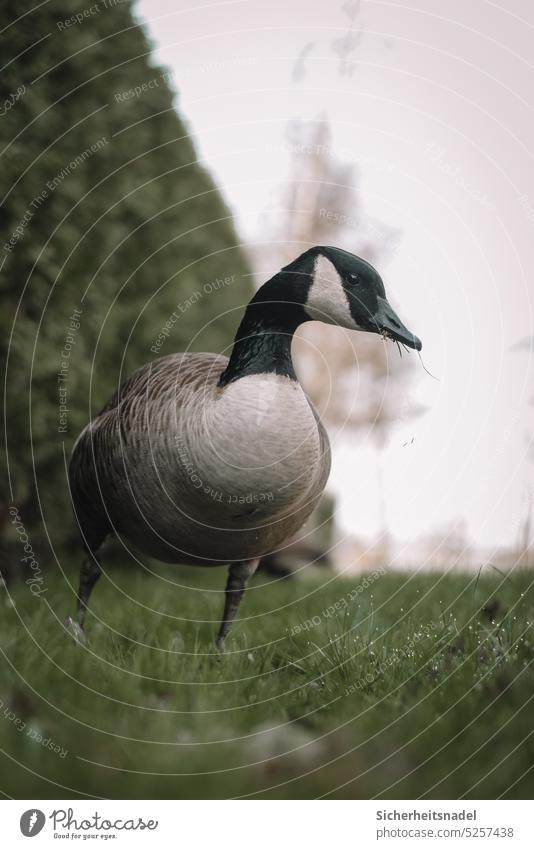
{"x":323,"y":284}
{"x":346,"y":290}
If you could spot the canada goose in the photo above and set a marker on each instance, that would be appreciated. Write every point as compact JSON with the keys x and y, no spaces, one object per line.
{"x":206,"y":460}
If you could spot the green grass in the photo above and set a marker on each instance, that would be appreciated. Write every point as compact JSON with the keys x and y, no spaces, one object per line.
{"x":421,"y":686}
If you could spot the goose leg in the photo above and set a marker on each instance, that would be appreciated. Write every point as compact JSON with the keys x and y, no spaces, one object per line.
{"x":89,"y":574}
{"x":238,"y":577}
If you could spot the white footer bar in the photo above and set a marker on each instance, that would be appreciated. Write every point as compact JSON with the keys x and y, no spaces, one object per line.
{"x":267,"y":824}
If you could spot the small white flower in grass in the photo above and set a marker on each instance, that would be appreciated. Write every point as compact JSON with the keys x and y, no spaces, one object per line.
{"x":176,"y":643}
{"x":35,"y":732}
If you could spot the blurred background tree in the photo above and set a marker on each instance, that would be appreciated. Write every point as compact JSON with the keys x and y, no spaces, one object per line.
{"x":104,"y":209}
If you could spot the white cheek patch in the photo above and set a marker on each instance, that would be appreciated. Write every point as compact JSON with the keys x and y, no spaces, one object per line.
{"x":327,"y":301}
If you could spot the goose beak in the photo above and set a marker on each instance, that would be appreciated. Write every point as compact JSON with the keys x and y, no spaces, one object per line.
{"x":389,"y":324}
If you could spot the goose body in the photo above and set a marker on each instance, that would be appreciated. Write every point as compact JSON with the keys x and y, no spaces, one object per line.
{"x":191,"y":472}
{"x":206,"y":460}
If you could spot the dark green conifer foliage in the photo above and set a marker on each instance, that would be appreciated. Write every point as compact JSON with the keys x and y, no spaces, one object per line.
{"x":104,"y":209}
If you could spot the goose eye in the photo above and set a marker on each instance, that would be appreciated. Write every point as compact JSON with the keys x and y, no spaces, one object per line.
{"x":353,"y":278}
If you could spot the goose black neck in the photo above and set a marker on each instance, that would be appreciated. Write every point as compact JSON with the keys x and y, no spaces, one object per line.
{"x":263,"y":341}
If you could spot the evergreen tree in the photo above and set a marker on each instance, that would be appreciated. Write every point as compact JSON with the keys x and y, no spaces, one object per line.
{"x":112,"y":235}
